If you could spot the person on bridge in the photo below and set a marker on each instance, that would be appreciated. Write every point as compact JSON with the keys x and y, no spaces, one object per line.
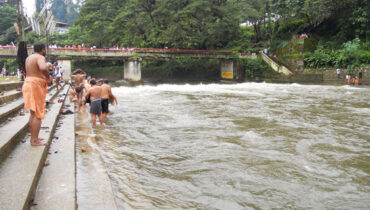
{"x":95,"y":94}
{"x":35,"y":89}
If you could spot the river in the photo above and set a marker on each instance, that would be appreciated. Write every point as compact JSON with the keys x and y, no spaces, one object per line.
{"x":239,"y":146}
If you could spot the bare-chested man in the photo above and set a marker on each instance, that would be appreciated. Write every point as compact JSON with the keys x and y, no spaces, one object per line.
{"x":34,"y":90}
{"x":72,"y":94}
{"x":95,"y":93}
{"x":79,"y":77}
{"x":58,"y":77}
{"x":106,"y":94}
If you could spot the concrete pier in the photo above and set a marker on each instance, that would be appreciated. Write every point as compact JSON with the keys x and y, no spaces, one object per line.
{"x":67,"y":68}
{"x":132,"y":70}
{"x":230,"y":70}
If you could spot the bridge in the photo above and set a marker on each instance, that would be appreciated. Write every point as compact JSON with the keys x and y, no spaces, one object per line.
{"x":229,"y":65}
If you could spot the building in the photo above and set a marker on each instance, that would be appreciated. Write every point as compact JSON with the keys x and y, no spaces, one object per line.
{"x":61,"y":28}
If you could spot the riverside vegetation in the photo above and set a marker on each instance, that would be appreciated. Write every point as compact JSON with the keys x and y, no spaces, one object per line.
{"x":340,"y":28}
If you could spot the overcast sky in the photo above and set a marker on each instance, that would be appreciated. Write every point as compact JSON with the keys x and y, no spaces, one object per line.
{"x":30,"y":6}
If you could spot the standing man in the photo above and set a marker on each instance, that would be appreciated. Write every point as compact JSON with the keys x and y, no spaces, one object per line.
{"x":34,"y":90}
{"x":79,"y":77}
{"x":106,"y":94}
{"x":4,"y":72}
{"x":338,"y":73}
{"x":58,"y":76}
{"x":360,"y":73}
{"x":95,"y":93}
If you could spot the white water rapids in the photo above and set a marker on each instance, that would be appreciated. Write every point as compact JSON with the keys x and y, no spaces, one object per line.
{"x":239,"y":146}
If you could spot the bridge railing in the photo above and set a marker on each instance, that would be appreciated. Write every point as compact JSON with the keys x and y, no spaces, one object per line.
{"x":162,"y":50}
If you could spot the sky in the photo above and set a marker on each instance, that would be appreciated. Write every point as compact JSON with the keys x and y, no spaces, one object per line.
{"x":30,"y":6}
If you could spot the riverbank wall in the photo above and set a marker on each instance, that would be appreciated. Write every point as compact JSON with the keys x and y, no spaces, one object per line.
{"x":330,"y":74}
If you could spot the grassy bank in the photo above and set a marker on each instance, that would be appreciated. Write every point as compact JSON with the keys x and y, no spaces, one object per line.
{"x":9,"y":79}
{"x":112,"y":70}
{"x":182,"y":68}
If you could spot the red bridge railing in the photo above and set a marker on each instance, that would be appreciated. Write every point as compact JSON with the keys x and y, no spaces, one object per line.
{"x":133,"y":49}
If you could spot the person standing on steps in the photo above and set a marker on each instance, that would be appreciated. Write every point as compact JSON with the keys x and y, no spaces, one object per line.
{"x":79,"y":77}
{"x":58,"y":77}
{"x":35,"y":89}
{"x":338,"y":73}
{"x":360,"y":73}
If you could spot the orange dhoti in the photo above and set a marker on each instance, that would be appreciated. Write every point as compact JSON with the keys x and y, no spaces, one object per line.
{"x":34,"y":93}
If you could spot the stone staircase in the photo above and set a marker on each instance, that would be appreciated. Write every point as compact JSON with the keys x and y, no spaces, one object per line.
{"x":276,"y":66}
{"x":44,"y":178}
{"x":20,"y":163}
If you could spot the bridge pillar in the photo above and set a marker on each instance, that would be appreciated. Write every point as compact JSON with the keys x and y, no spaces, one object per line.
{"x":230,"y":70}
{"x":67,"y":67}
{"x":132,"y":70}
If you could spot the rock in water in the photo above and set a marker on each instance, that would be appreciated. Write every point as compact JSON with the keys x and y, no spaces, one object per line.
{"x":47,"y":162}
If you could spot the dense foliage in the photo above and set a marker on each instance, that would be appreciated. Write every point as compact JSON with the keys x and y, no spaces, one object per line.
{"x":7,"y":31}
{"x":214,"y":24}
{"x":353,"y":53}
{"x":203,"y":24}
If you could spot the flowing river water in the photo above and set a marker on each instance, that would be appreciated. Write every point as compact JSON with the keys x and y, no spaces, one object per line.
{"x":239,"y":146}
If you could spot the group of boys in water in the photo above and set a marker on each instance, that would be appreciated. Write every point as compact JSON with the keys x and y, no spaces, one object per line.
{"x":84,"y":90}
{"x":97,"y":93}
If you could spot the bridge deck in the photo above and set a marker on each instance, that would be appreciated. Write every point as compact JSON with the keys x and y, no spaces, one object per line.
{"x":119,"y":54}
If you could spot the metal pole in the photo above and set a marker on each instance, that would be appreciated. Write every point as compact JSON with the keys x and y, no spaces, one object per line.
{"x":20,"y":20}
{"x":46,"y":31}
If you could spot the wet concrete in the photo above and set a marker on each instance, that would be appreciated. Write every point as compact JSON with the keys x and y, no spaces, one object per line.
{"x":57,"y":186}
{"x":20,"y":172}
{"x":94,"y":190}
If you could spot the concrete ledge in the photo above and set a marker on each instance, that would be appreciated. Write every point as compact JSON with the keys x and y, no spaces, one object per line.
{"x":57,"y":186}
{"x":6,"y":86}
{"x":14,"y":106}
{"x":94,"y":190}
{"x":10,"y":96}
{"x":9,"y":109}
{"x":12,"y":131}
{"x":20,"y":172}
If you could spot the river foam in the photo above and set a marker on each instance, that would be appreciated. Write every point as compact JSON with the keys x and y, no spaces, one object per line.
{"x":238,"y":146}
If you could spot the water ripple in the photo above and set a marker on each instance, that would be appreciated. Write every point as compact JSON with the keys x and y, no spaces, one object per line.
{"x":240,"y":146}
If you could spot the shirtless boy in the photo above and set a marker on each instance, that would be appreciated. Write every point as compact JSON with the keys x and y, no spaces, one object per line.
{"x":34,"y":90}
{"x":106,"y":94}
{"x":79,"y":77}
{"x":95,"y":93}
{"x":72,"y":94}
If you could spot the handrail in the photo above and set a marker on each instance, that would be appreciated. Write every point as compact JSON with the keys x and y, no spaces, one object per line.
{"x":278,"y":63}
{"x":133,"y":49}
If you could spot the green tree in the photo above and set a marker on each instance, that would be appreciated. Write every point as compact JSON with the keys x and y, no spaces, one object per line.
{"x":7,"y":20}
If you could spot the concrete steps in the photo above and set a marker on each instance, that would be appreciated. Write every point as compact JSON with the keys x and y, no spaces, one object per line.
{"x":20,"y":171}
{"x":276,"y":66}
{"x":12,"y":131}
{"x":25,"y":183}
{"x":94,"y":190}
{"x":9,"y":96}
{"x":6,"y":110}
{"x":57,"y":185}
{"x":6,"y":86}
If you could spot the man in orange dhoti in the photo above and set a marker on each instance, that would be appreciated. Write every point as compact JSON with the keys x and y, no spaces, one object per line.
{"x":34,"y":90}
